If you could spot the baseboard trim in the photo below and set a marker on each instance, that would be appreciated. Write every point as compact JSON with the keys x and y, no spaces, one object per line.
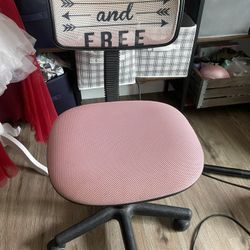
{"x":131,"y":89}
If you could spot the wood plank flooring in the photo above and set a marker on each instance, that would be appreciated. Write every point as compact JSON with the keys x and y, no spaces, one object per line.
{"x":31,"y":212}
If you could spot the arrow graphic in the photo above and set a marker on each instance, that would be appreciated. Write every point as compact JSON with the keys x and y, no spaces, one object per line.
{"x":71,"y":27}
{"x":67,"y":15}
{"x":69,"y":3}
{"x":163,"y":23}
{"x":161,"y":12}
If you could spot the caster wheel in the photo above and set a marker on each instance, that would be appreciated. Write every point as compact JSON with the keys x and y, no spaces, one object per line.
{"x":52,"y":245}
{"x":181,"y":225}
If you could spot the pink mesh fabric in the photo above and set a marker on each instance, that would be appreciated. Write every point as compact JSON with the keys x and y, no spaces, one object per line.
{"x":123,"y":152}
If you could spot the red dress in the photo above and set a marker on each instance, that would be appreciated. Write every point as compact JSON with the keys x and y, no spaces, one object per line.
{"x":27,"y":101}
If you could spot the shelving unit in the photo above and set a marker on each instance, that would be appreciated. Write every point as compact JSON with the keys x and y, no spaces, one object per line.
{"x":226,"y":39}
{"x":220,"y":92}
{"x":194,"y":10}
{"x":217,"y":22}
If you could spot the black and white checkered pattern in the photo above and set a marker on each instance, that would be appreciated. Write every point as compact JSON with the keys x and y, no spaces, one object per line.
{"x":169,"y":61}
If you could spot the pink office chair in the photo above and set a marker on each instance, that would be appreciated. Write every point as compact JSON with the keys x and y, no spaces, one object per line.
{"x":120,"y":155}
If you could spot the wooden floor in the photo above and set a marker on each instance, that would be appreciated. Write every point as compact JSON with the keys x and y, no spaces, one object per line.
{"x":31,"y":212}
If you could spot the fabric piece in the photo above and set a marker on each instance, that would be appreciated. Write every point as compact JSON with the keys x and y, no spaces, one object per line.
{"x":16,"y":48}
{"x":28,"y":100}
{"x":12,"y":104}
{"x":123,"y":152}
{"x":168,"y":61}
{"x":38,"y":107}
{"x":7,"y":168}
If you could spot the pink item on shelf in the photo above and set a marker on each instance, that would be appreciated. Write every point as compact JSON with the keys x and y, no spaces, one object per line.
{"x":211,"y":71}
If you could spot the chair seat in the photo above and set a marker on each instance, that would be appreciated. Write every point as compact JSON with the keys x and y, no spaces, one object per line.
{"x":123,"y":152}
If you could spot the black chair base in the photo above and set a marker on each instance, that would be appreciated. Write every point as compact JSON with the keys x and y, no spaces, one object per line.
{"x":123,"y":214}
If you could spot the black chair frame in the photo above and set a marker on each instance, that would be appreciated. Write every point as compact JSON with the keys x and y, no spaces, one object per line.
{"x":123,"y":214}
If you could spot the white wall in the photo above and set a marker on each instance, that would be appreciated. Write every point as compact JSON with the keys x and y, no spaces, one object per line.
{"x":225,"y":17}
{"x":132,"y":89}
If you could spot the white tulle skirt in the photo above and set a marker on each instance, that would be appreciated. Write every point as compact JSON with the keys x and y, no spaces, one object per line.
{"x":16,"y":48}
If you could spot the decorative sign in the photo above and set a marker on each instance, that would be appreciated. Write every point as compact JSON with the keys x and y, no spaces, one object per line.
{"x":113,"y":24}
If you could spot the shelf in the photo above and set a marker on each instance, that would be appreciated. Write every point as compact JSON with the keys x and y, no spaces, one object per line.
{"x":50,"y":50}
{"x":222,"y":39}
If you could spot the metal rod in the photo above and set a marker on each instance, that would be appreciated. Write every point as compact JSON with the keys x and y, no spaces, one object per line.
{"x":241,"y":173}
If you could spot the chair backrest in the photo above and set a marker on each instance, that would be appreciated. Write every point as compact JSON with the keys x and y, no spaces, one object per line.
{"x":115,"y":24}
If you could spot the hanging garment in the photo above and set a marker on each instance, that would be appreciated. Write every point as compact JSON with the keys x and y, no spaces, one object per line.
{"x":33,"y":105}
{"x":7,"y":168}
{"x":16,"y":48}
